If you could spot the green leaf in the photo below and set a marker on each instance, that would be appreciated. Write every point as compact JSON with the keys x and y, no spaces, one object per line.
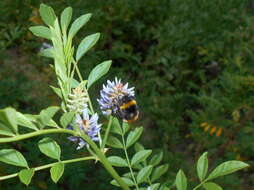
{"x":181,"y":181}
{"x":138,"y":147}
{"x":98,"y":72}
{"x":144,"y":173}
{"x":156,"y":159}
{"x":52,"y":123}
{"x":26,"y":175}
{"x":47,"y":14}
{"x":114,"y":182}
{"x":128,"y":181}
{"x":212,"y":186}
{"x":86,"y":44}
{"x":8,"y":116}
{"x":202,"y":166}
{"x":56,"y":171}
{"x":159,"y":171}
{"x":50,"y":148}
{"x":67,"y":118}
{"x":60,"y":65}
{"x":227,"y":168}
{"x":43,"y":119}
{"x":155,"y":186}
{"x":13,"y":157}
{"x":4,"y":130}
{"x":79,"y":23}
{"x":140,"y":156}
{"x":57,"y":91}
{"x":31,"y":117}
{"x":51,"y":111}
{"x":41,"y":31}
{"x":74,"y":83}
{"x":129,"y":174}
{"x":117,"y":161}
{"x":46,"y":115}
{"x":134,"y":136}
{"x":49,"y":52}
{"x":138,"y":166}
{"x":114,"y":142}
{"x":66,"y":18}
{"x":25,"y":121}
{"x":126,"y":127}
{"x":116,"y":127}
{"x":164,"y":188}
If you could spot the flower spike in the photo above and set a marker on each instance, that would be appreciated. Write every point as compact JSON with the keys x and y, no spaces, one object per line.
{"x":110,"y":95}
{"x":87,"y":124}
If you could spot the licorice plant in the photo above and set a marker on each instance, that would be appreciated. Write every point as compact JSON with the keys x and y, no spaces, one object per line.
{"x":80,"y":122}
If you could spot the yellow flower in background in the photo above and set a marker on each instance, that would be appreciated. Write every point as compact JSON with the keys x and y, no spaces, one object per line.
{"x":218,"y":133}
{"x":207,"y":128}
{"x":204,"y":124}
{"x":211,"y":129}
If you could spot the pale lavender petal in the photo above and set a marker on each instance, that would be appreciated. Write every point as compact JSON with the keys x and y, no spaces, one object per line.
{"x":85,"y":114}
{"x":73,"y":138}
{"x":81,"y":144}
{"x":78,"y":118}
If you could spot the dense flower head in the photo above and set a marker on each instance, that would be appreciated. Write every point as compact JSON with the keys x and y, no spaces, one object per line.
{"x":77,"y":100}
{"x":87,"y":124}
{"x":111,"y":93}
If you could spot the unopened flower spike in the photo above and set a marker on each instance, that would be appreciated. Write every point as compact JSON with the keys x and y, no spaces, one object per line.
{"x":119,"y":100}
{"x":77,"y":100}
{"x":87,"y":124}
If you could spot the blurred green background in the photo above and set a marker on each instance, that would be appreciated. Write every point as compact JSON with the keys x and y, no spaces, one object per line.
{"x":191,"y":62}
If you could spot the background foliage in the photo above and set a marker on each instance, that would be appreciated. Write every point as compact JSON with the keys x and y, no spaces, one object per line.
{"x":190,"y":61}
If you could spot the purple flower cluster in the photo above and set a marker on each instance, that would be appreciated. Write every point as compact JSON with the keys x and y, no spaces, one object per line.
{"x":87,"y":124}
{"x":111,"y":93}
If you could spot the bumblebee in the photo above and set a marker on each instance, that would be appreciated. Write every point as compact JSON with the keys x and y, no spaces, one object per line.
{"x":127,"y":108}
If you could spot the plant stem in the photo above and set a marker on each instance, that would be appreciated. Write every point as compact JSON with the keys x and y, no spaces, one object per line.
{"x":107,"y":132}
{"x":78,"y":72}
{"x":73,"y":69}
{"x":98,"y":152}
{"x":102,"y":158}
{"x":149,"y":181}
{"x":62,"y":92}
{"x":49,"y":165}
{"x":199,"y":185}
{"x":128,"y":160}
{"x":36,"y":133}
